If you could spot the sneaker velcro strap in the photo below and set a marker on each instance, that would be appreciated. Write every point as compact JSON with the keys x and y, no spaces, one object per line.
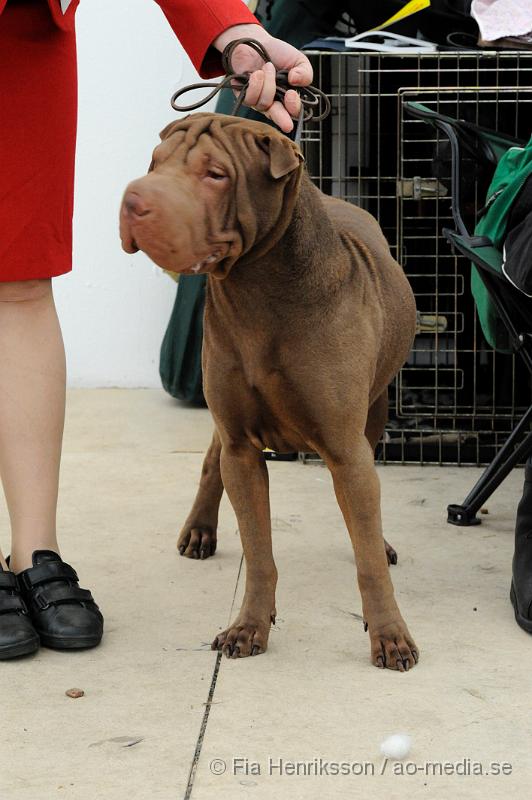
{"x":55,"y":595}
{"x":48,"y":571}
{"x":8,"y":580}
{"x":12,"y":602}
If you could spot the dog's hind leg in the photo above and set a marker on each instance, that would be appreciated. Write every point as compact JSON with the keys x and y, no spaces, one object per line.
{"x":356,"y":484}
{"x":198,"y":535}
{"x":245,"y":478}
{"x":377,"y":419}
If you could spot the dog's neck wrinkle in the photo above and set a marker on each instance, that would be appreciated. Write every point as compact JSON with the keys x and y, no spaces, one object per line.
{"x":261,"y":247}
{"x":306,"y":246}
{"x":298,"y":266}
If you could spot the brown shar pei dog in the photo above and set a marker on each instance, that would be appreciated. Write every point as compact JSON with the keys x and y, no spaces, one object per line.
{"x":307,"y":319}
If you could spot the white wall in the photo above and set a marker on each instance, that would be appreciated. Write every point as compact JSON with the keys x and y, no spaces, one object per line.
{"x":114,"y":307}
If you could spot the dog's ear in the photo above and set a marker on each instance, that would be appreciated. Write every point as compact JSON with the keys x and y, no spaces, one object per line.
{"x":284,"y":155}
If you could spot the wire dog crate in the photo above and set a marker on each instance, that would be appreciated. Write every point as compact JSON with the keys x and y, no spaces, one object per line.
{"x":455,"y":400}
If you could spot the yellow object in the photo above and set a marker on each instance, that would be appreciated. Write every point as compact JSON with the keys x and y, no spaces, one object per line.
{"x":173,"y":275}
{"x":411,"y":8}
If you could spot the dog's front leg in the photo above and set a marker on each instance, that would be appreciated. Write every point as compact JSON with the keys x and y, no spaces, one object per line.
{"x":245,"y":478}
{"x":198,"y":535}
{"x":356,"y":484}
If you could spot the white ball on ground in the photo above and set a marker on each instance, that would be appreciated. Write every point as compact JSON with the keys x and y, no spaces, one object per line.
{"x":396,"y":746}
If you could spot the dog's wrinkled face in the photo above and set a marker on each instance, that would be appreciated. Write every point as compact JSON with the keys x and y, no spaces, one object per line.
{"x":218,"y":188}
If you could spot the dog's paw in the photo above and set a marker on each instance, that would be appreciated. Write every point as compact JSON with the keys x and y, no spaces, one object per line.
{"x":391,"y":554}
{"x":197,"y":542}
{"x":392,"y":647}
{"x":243,"y":639}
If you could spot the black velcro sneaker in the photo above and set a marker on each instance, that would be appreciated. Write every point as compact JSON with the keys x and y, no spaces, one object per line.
{"x":17,"y":634}
{"x":64,"y":615}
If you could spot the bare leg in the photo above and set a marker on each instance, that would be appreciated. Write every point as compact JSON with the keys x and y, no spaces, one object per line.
{"x":245,"y":478}
{"x":198,"y":535}
{"x":357,"y":489}
{"x":32,"y":407}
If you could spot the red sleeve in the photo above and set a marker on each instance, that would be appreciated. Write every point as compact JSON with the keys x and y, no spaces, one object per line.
{"x":197,"y":23}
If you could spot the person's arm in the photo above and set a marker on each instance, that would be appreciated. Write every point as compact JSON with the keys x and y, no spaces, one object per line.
{"x":197,"y":23}
{"x":205,"y":28}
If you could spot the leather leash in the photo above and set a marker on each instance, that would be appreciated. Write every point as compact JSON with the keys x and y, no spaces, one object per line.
{"x":315,"y":105}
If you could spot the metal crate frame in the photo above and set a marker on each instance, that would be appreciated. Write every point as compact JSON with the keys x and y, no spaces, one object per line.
{"x":455,"y":400}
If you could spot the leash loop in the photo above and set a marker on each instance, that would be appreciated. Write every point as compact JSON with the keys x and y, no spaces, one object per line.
{"x":315,"y":105}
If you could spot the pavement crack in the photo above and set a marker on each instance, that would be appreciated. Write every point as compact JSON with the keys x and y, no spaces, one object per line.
{"x":209,"y":702}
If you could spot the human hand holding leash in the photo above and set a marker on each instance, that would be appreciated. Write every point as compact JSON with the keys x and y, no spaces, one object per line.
{"x":262,"y":87}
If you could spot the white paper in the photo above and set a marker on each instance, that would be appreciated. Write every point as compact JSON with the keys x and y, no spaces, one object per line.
{"x":499,"y":18}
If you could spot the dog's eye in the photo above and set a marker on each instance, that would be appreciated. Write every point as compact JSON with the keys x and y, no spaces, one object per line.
{"x":215,"y":175}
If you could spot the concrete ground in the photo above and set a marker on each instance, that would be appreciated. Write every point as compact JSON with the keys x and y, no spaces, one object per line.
{"x":143,"y":730}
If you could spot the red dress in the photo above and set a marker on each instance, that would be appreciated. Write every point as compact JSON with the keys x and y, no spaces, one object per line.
{"x":38,"y":112}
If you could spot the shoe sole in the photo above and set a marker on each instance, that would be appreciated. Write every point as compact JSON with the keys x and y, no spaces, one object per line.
{"x":69,"y":643}
{"x":20,"y":649}
{"x":523,"y":622}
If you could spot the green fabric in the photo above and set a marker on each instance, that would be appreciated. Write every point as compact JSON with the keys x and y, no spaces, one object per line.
{"x":180,"y":359}
{"x":485,"y":254}
{"x":511,"y":172}
{"x":488,"y":255}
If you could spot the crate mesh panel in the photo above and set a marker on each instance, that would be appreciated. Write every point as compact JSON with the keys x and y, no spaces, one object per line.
{"x":455,"y":400}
